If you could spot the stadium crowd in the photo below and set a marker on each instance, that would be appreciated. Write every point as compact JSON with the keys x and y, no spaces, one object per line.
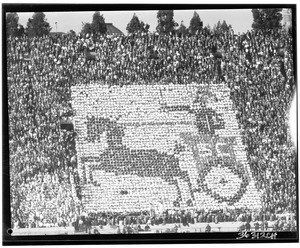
{"x":258,"y":68}
{"x":143,"y":221}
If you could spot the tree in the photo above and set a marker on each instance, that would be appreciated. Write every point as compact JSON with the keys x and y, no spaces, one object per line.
{"x":86,"y":28}
{"x":72,"y":32}
{"x":12,"y":20}
{"x":20,"y":30}
{"x":166,"y":23}
{"x":136,"y":26}
{"x":37,"y":25}
{"x":98,"y":25}
{"x":225,"y":27}
{"x":195,"y":24}
{"x":217,"y":27}
{"x":207,"y":28}
{"x":266,"y":19}
{"x":222,"y":27}
{"x":13,"y":28}
{"x":145,"y":27}
{"x":182,"y":30}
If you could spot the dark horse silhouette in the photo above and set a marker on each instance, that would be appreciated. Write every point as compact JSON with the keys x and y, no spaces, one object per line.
{"x":121,"y":160}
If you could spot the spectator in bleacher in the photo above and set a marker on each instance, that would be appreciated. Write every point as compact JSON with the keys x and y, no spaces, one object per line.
{"x":248,"y":226}
{"x":208,"y":228}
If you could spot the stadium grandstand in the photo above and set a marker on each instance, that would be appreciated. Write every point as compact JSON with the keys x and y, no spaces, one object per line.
{"x":151,"y":133}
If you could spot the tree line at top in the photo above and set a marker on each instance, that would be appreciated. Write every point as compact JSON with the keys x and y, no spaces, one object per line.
{"x":263,"y":20}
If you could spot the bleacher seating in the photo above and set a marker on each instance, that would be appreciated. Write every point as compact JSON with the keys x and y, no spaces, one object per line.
{"x":162,"y":124}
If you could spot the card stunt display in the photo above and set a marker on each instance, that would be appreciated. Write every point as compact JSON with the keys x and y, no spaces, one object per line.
{"x":165,"y":146}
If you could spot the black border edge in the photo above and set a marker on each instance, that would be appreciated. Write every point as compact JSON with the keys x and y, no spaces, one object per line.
{"x":5,"y":141}
{"x":181,"y":238}
{"x":295,"y":53}
{"x":14,"y":7}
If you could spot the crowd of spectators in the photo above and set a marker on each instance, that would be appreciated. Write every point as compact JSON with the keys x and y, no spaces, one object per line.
{"x":47,"y":200}
{"x":142,"y":221}
{"x":258,"y":68}
{"x":263,"y":95}
{"x":39,"y":149}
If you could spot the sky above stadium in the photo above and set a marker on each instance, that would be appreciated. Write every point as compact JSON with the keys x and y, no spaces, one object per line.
{"x":240,"y":19}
